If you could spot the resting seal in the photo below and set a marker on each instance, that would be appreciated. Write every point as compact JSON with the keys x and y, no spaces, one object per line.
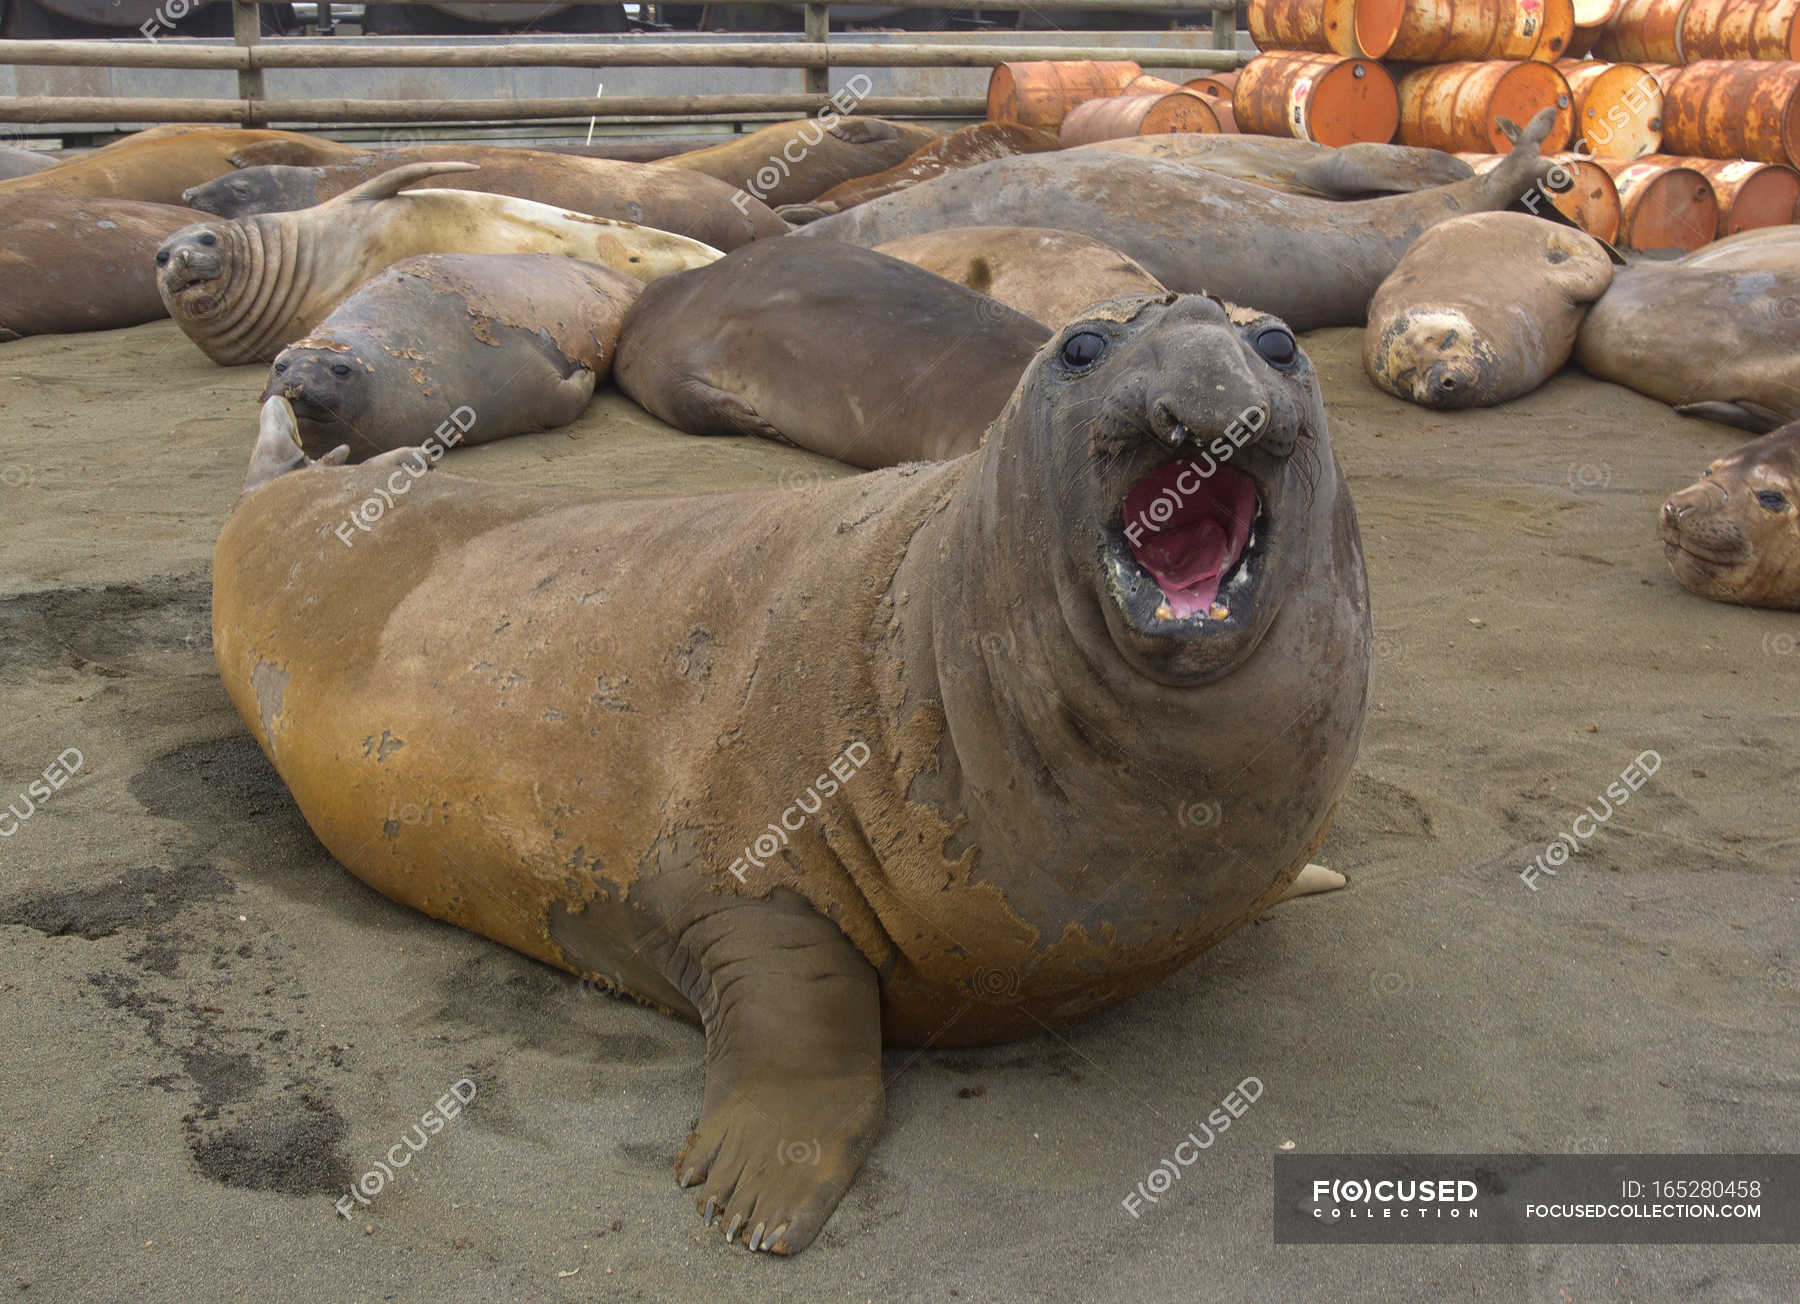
{"x":1734,"y":534}
{"x":962,"y":148}
{"x":518,"y":339}
{"x":946,"y":688}
{"x":156,"y":166}
{"x":1702,"y":339}
{"x":16,"y":162}
{"x":1049,"y":276}
{"x":686,"y":203}
{"x":845,"y":351}
{"x":1313,"y":262}
{"x":791,"y":162}
{"x":80,"y":264}
{"x":244,"y":289}
{"x":1482,"y":309}
{"x":1301,"y":166}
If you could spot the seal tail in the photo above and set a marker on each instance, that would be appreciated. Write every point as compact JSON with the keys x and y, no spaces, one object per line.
{"x":391,"y":183}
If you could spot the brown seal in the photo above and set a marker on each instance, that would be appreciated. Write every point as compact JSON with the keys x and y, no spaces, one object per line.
{"x":156,"y":168}
{"x":935,"y":755}
{"x":1312,"y":262}
{"x":962,"y":148}
{"x":16,"y":162}
{"x":1734,"y":534}
{"x":792,"y":162}
{"x":1482,"y":309}
{"x":1301,"y":166}
{"x":1049,"y":276}
{"x":516,"y":340}
{"x":80,"y":264}
{"x":243,"y":290}
{"x":687,"y":203}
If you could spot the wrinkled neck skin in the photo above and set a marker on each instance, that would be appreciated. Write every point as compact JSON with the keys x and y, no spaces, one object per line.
{"x":1074,"y":768}
{"x":244,"y":315}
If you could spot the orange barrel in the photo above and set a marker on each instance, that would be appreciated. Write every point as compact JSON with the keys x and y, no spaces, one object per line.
{"x":1139,"y":115}
{"x":1349,"y":27}
{"x":1720,"y":109}
{"x":1591,"y":15}
{"x":1618,"y":107}
{"x":1667,"y":205}
{"x":1740,"y":29}
{"x":1215,"y":86}
{"x":1585,"y":39}
{"x":1039,"y":94}
{"x":1587,"y":198}
{"x":1750,"y":194}
{"x":1441,"y":31}
{"x":1148,"y":84}
{"x":1643,"y":31}
{"x":1329,"y":98}
{"x":1456,"y":106}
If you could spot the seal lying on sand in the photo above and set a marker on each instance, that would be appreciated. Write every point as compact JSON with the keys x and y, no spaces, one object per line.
{"x":891,"y":758}
{"x":686,"y":203}
{"x":1301,"y":166}
{"x":791,"y":162}
{"x":1765,"y":249}
{"x":845,"y":351}
{"x":1734,"y":534}
{"x":518,"y":339}
{"x":156,"y":166}
{"x":1482,"y":309}
{"x":1314,"y":262}
{"x":242,"y":290}
{"x":80,"y":264}
{"x":16,"y":162}
{"x":962,"y":148}
{"x":1707,"y":340}
{"x":1049,"y":276}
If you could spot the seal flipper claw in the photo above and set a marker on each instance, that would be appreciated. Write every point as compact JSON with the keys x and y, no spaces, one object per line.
{"x":792,"y":1013}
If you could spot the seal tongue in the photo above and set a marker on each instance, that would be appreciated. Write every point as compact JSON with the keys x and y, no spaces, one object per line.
{"x":1192,"y":529}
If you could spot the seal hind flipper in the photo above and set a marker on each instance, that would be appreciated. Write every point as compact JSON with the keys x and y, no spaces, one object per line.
{"x":389,"y":184}
{"x":862,"y":131}
{"x":708,"y":410}
{"x":1743,"y":415}
{"x":794,"y":1099}
{"x":278,"y":448}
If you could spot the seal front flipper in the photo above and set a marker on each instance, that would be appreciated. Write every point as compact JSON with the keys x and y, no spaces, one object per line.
{"x":792,"y":1013}
{"x":1743,"y":414}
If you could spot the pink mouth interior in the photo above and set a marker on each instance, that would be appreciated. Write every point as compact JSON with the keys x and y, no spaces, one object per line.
{"x":1191,"y":530}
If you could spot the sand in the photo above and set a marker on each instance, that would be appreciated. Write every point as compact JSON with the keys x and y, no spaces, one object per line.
{"x":212,"y":1029}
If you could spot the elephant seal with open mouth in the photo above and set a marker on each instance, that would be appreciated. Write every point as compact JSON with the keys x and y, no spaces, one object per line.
{"x":904,"y":757}
{"x":1312,"y":262}
{"x":245,"y":289}
{"x":1734,"y":534}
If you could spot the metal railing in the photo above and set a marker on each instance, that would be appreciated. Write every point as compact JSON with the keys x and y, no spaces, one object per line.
{"x":815,"y":53}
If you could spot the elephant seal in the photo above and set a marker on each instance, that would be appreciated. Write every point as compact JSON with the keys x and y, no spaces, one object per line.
{"x":1049,"y":276}
{"x":845,"y":351}
{"x":16,"y":162}
{"x":156,"y":167}
{"x":1765,"y":249}
{"x":1708,"y":341}
{"x":895,"y":758}
{"x":1313,"y":262}
{"x":80,"y":264}
{"x":686,"y":203}
{"x":962,"y":148}
{"x":1734,"y":534}
{"x":244,"y":289}
{"x":1354,"y":171}
{"x":1482,"y":309}
{"x":520,"y":340}
{"x":792,"y":162}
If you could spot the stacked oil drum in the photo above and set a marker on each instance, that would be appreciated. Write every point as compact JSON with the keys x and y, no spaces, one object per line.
{"x":1675,"y":121}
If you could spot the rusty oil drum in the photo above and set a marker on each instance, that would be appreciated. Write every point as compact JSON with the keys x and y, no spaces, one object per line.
{"x":1139,"y":115}
{"x":1362,"y":28}
{"x":1041,"y":93}
{"x":1618,"y":107}
{"x":1750,"y":194}
{"x":1333,"y":99}
{"x":1667,"y":205}
{"x":1579,"y":188}
{"x":1730,"y":110}
{"x":1643,"y":31}
{"x":1739,"y":29}
{"x":1457,"y":106}
{"x":1448,"y":31}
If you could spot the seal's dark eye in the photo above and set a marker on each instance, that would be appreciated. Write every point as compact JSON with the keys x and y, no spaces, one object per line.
{"x":162,"y":257}
{"x":209,"y":239}
{"x":339,"y":369}
{"x":1276,"y":347}
{"x":280,"y":367}
{"x":1775,"y":502}
{"x":1083,"y":349}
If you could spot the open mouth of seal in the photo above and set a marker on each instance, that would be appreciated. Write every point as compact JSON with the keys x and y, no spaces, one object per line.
{"x":1185,"y":553}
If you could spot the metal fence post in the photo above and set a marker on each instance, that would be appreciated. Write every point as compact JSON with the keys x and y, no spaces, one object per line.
{"x":246,"y":28}
{"x":818,"y":28}
{"x":1224,"y":29}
